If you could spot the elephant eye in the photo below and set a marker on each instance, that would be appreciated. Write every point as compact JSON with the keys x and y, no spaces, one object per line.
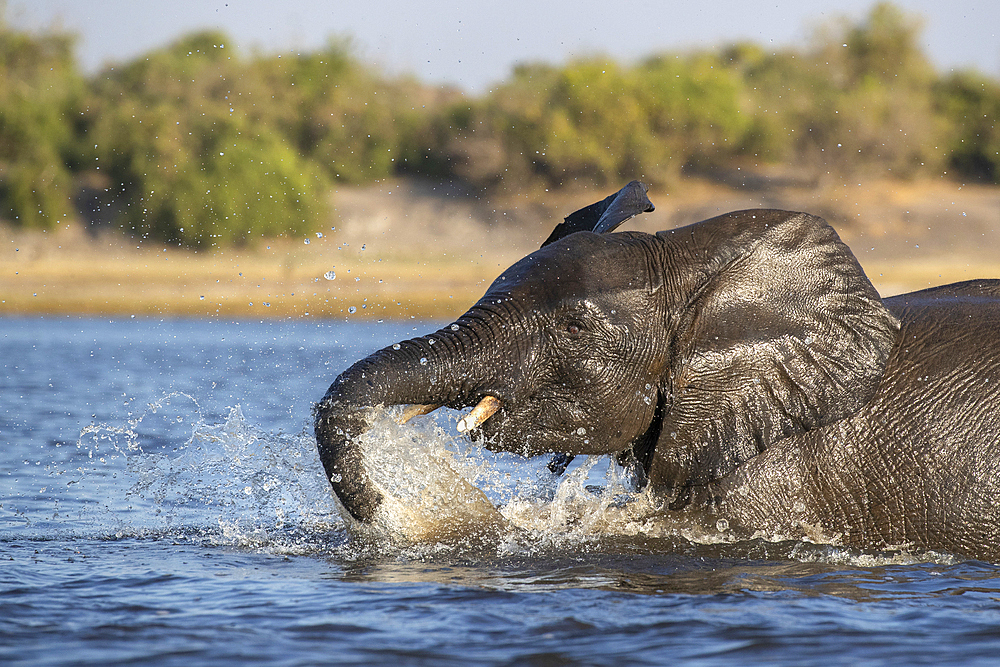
{"x":573,"y":328}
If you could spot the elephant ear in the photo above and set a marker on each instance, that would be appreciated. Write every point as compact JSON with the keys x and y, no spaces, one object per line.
{"x":780,"y":332}
{"x":606,"y":215}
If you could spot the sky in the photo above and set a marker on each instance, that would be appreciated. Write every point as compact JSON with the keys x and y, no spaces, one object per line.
{"x":474,"y":44}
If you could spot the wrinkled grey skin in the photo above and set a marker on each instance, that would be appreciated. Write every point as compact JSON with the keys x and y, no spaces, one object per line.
{"x":745,"y":362}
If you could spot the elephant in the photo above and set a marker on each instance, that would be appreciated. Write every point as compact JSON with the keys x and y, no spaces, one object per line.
{"x":745,"y":365}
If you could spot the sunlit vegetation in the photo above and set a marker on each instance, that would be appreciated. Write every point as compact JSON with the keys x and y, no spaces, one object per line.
{"x":41,"y":92}
{"x":201,"y":144}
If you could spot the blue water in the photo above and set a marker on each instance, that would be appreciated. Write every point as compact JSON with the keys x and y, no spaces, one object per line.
{"x":161,"y":503}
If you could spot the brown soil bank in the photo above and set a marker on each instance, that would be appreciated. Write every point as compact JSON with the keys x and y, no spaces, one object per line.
{"x":408,"y":248}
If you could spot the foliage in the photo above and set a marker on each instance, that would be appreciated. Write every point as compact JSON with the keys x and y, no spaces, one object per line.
{"x":858,"y":102}
{"x":346,"y":118}
{"x":39,"y":97}
{"x":180,"y":131}
{"x":597,"y":121}
{"x":972,"y":105}
{"x":193,"y":144}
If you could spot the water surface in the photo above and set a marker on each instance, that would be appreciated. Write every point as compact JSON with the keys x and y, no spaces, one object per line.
{"x":161,"y":503}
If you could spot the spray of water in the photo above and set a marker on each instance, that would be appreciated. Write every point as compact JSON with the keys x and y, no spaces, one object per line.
{"x":170,"y":472}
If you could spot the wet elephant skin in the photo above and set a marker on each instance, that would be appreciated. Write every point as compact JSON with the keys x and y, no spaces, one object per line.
{"x":746,"y":365}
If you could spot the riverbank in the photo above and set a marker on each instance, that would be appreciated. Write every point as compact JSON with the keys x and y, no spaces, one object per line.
{"x":408,"y":248}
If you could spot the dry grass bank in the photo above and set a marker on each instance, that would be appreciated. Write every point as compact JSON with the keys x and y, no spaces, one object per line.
{"x":411,"y":248}
{"x":277,"y":280}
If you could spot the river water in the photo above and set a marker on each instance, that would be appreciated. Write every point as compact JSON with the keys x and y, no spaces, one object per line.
{"x":161,"y":503}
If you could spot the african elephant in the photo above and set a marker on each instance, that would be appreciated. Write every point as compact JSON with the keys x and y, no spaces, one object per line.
{"x":745,"y":363}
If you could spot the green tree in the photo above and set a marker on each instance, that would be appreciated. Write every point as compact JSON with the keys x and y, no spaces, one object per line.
{"x":694,"y":108}
{"x":196,"y":145}
{"x":885,"y":47}
{"x":861,"y":99}
{"x":971,"y":103}
{"x":351,"y":120}
{"x":597,"y":121}
{"x":179,"y":131}
{"x":40,"y":91}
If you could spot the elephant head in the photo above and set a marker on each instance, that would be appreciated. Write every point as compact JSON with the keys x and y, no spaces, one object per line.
{"x":693,"y":349}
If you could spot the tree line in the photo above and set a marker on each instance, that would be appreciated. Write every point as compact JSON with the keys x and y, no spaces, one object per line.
{"x":199,"y":144}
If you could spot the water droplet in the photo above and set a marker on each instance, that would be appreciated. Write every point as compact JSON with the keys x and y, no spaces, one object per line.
{"x":722,"y":525}
{"x":454,"y":327}
{"x":336,"y":478}
{"x":306,"y":241}
{"x":330,"y":275}
{"x":319,"y":235}
{"x":352,"y":310}
{"x":423,"y":361}
{"x":202,"y":297}
{"x":395,"y":346}
{"x":581,"y":431}
{"x":267,"y":304}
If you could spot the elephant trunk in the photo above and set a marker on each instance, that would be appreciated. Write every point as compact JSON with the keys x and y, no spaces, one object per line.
{"x":427,"y":372}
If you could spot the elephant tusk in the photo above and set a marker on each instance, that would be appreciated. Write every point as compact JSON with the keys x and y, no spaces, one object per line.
{"x":483,"y":411}
{"x":412,"y":411}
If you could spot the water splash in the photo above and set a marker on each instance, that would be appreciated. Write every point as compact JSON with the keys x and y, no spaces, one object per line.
{"x":441,"y":489}
{"x":222,"y":482}
{"x":428,"y":481}
{"x":443,"y":492}
{"x":259,"y":488}
{"x":170,"y":472}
